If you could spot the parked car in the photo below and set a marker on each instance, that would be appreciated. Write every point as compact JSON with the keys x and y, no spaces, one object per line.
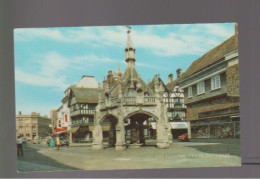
{"x":36,"y":141}
{"x":64,"y":142}
{"x":183,"y":137}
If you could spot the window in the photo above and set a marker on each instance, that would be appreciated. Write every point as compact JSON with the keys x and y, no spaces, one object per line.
{"x":145,"y":132}
{"x":66,"y":118}
{"x":215,"y":82}
{"x":34,"y":128}
{"x":201,"y":87}
{"x":26,"y":128}
{"x":190,"y":92}
{"x":91,"y":120}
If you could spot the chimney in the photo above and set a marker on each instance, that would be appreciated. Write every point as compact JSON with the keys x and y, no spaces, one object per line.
{"x":20,"y":113}
{"x":33,"y":113}
{"x":104,"y":83}
{"x":170,"y":78}
{"x":178,"y":72}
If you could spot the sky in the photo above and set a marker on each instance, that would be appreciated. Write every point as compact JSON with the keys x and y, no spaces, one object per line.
{"x":48,"y":60}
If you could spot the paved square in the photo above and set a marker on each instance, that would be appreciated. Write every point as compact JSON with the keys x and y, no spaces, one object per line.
{"x":180,"y":154}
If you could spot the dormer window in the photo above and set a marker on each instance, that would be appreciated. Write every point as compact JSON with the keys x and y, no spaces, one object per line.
{"x":215,"y":82}
{"x":201,"y":88}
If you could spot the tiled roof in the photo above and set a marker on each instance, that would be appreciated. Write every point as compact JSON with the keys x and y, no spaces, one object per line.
{"x":212,"y":56}
{"x":171,"y":85}
{"x":85,"y":95}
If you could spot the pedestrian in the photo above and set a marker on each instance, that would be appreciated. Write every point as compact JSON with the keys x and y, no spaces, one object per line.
{"x":19,"y":143}
{"x":52,"y":143}
{"x":58,"y":142}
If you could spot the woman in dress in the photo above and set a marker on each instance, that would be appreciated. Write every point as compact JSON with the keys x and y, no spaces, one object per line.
{"x":58,"y":143}
{"x":52,"y":143}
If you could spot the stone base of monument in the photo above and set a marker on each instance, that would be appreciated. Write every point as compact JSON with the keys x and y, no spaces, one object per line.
{"x":120,"y":147}
{"x":97,"y":146}
{"x":162,"y":145}
{"x":135,"y":145}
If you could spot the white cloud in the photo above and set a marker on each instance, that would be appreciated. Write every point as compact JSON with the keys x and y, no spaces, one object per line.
{"x":218,"y":30}
{"x":28,"y":34}
{"x":187,"y":39}
{"x":50,"y":71}
{"x":39,"y":80}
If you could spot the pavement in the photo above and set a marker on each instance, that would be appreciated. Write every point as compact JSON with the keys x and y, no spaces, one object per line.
{"x":197,"y":153}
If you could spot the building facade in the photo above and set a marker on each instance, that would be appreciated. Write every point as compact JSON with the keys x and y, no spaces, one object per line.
{"x":82,"y":103}
{"x":73,"y":119}
{"x":211,"y":91}
{"x":63,"y":116}
{"x":32,"y":125}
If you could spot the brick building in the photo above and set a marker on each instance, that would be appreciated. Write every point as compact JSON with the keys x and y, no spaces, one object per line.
{"x":32,"y":125}
{"x":211,"y":91}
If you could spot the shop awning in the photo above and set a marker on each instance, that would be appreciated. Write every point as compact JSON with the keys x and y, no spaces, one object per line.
{"x":179,"y":125}
{"x":153,"y":125}
{"x":56,"y":133}
{"x":60,"y":130}
{"x":73,"y":130}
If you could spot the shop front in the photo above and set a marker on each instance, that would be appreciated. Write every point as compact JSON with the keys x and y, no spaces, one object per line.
{"x":179,"y":128}
{"x":216,"y":128}
{"x":61,"y":132}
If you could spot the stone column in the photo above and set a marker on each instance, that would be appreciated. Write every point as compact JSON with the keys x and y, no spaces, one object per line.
{"x":162,"y":135}
{"x":97,"y":137}
{"x":120,"y":137}
{"x":70,"y":138}
{"x":169,"y":132}
{"x":189,"y":130}
{"x":87,"y":136}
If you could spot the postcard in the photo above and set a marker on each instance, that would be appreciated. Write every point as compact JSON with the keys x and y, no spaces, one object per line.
{"x":127,"y":97}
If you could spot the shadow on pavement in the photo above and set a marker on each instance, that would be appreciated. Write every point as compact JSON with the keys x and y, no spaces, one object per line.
{"x":32,"y":155}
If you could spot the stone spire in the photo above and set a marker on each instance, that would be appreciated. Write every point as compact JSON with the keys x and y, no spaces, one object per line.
{"x":129,"y":50}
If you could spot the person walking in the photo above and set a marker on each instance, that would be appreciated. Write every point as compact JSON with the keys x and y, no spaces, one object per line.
{"x":19,"y":143}
{"x":52,"y":143}
{"x":58,"y":142}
